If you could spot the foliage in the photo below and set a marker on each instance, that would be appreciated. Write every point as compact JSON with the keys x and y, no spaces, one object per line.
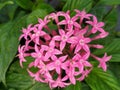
{"x":16,"y":14}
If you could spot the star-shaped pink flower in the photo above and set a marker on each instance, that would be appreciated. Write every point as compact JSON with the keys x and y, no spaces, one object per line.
{"x":64,"y":38}
{"x":97,"y":26}
{"x":26,"y":32}
{"x":102,"y":61}
{"x":57,"y":63}
{"x":82,"y":62}
{"x":82,"y":15}
{"x":82,"y":43}
{"x":38,"y":55}
{"x":37,"y":34}
{"x":51,"y":51}
{"x":70,"y":22}
{"x":59,"y":83}
{"x":22,"y":55}
{"x":69,"y":67}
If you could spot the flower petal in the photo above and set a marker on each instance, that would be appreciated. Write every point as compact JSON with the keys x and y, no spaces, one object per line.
{"x":61,"y":32}
{"x":72,"y":40}
{"x":47,"y":55}
{"x":63,"y":58}
{"x":62,"y":22}
{"x":78,"y":47}
{"x":57,"y":38}
{"x":62,"y":45}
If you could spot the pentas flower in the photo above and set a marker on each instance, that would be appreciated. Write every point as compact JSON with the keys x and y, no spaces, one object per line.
{"x":97,"y":26}
{"x":60,"y":57}
{"x":64,"y":38}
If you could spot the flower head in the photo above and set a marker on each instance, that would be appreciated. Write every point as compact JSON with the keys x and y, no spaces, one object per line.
{"x":61,"y":56}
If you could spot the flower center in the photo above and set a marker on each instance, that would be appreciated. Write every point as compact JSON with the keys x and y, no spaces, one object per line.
{"x":39,"y":55}
{"x":81,"y":42}
{"x":50,"y":49}
{"x":70,"y":22}
{"x":37,"y":33}
{"x":57,"y":62}
{"x":64,"y":38}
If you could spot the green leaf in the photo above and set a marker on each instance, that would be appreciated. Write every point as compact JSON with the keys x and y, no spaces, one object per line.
{"x":111,"y":48}
{"x":18,"y":78}
{"x":111,"y":19}
{"x":115,"y":57}
{"x":19,"y":81}
{"x":77,"y":86}
{"x":9,"y":44}
{"x":110,"y":2}
{"x":115,"y":67}
{"x":85,"y":86}
{"x":11,"y":11}
{"x":5,"y":3}
{"x":44,"y":6}
{"x":100,"y":80}
{"x":33,"y":17}
{"x":99,"y":11}
{"x":77,"y":4}
{"x":39,"y":86}
{"x":25,"y":4}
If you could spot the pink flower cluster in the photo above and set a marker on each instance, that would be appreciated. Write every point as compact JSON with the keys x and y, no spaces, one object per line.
{"x":61,"y":56}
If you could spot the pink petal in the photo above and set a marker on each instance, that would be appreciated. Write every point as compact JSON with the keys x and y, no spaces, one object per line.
{"x":54,"y":58}
{"x":42,"y":33}
{"x":101,"y":30}
{"x":86,"y":55}
{"x":65,"y":78}
{"x":78,"y":47}
{"x":108,"y":58}
{"x":72,"y":40}
{"x":47,"y":37}
{"x":51,"y":66}
{"x":86,"y":48}
{"x":34,"y":55}
{"x":100,"y":24}
{"x":36,"y":48}
{"x":58,"y":70}
{"x":87,"y":40}
{"x":70,"y":33}
{"x":81,"y":67}
{"x":54,"y":84}
{"x":62,"y":22}
{"x":94,"y":30}
{"x":77,"y":25}
{"x":63,"y":58}
{"x":37,"y":40}
{"x":77,"y":57}
{"x":47,"y":55}
{"x":86,"y":63}
{"x":74,"y":18}
{"x":89,"y":22}
{"x":52,"y":43}
{"x":103,"y":66}
{"x":57,"y":52}
{"x":62,"y":45}
{"x":77,"y":11}
{"x":57,"y":38}
{"x":72,"y":79}
{"x":61,"y":32}
{"x":103,"y":34}
{"x":44,"y":47}
{"x":30,"y":73}
{"x":95,"y":20}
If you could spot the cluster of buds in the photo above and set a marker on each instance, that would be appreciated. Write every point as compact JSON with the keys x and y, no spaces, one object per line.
{"x":61,"y":56}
